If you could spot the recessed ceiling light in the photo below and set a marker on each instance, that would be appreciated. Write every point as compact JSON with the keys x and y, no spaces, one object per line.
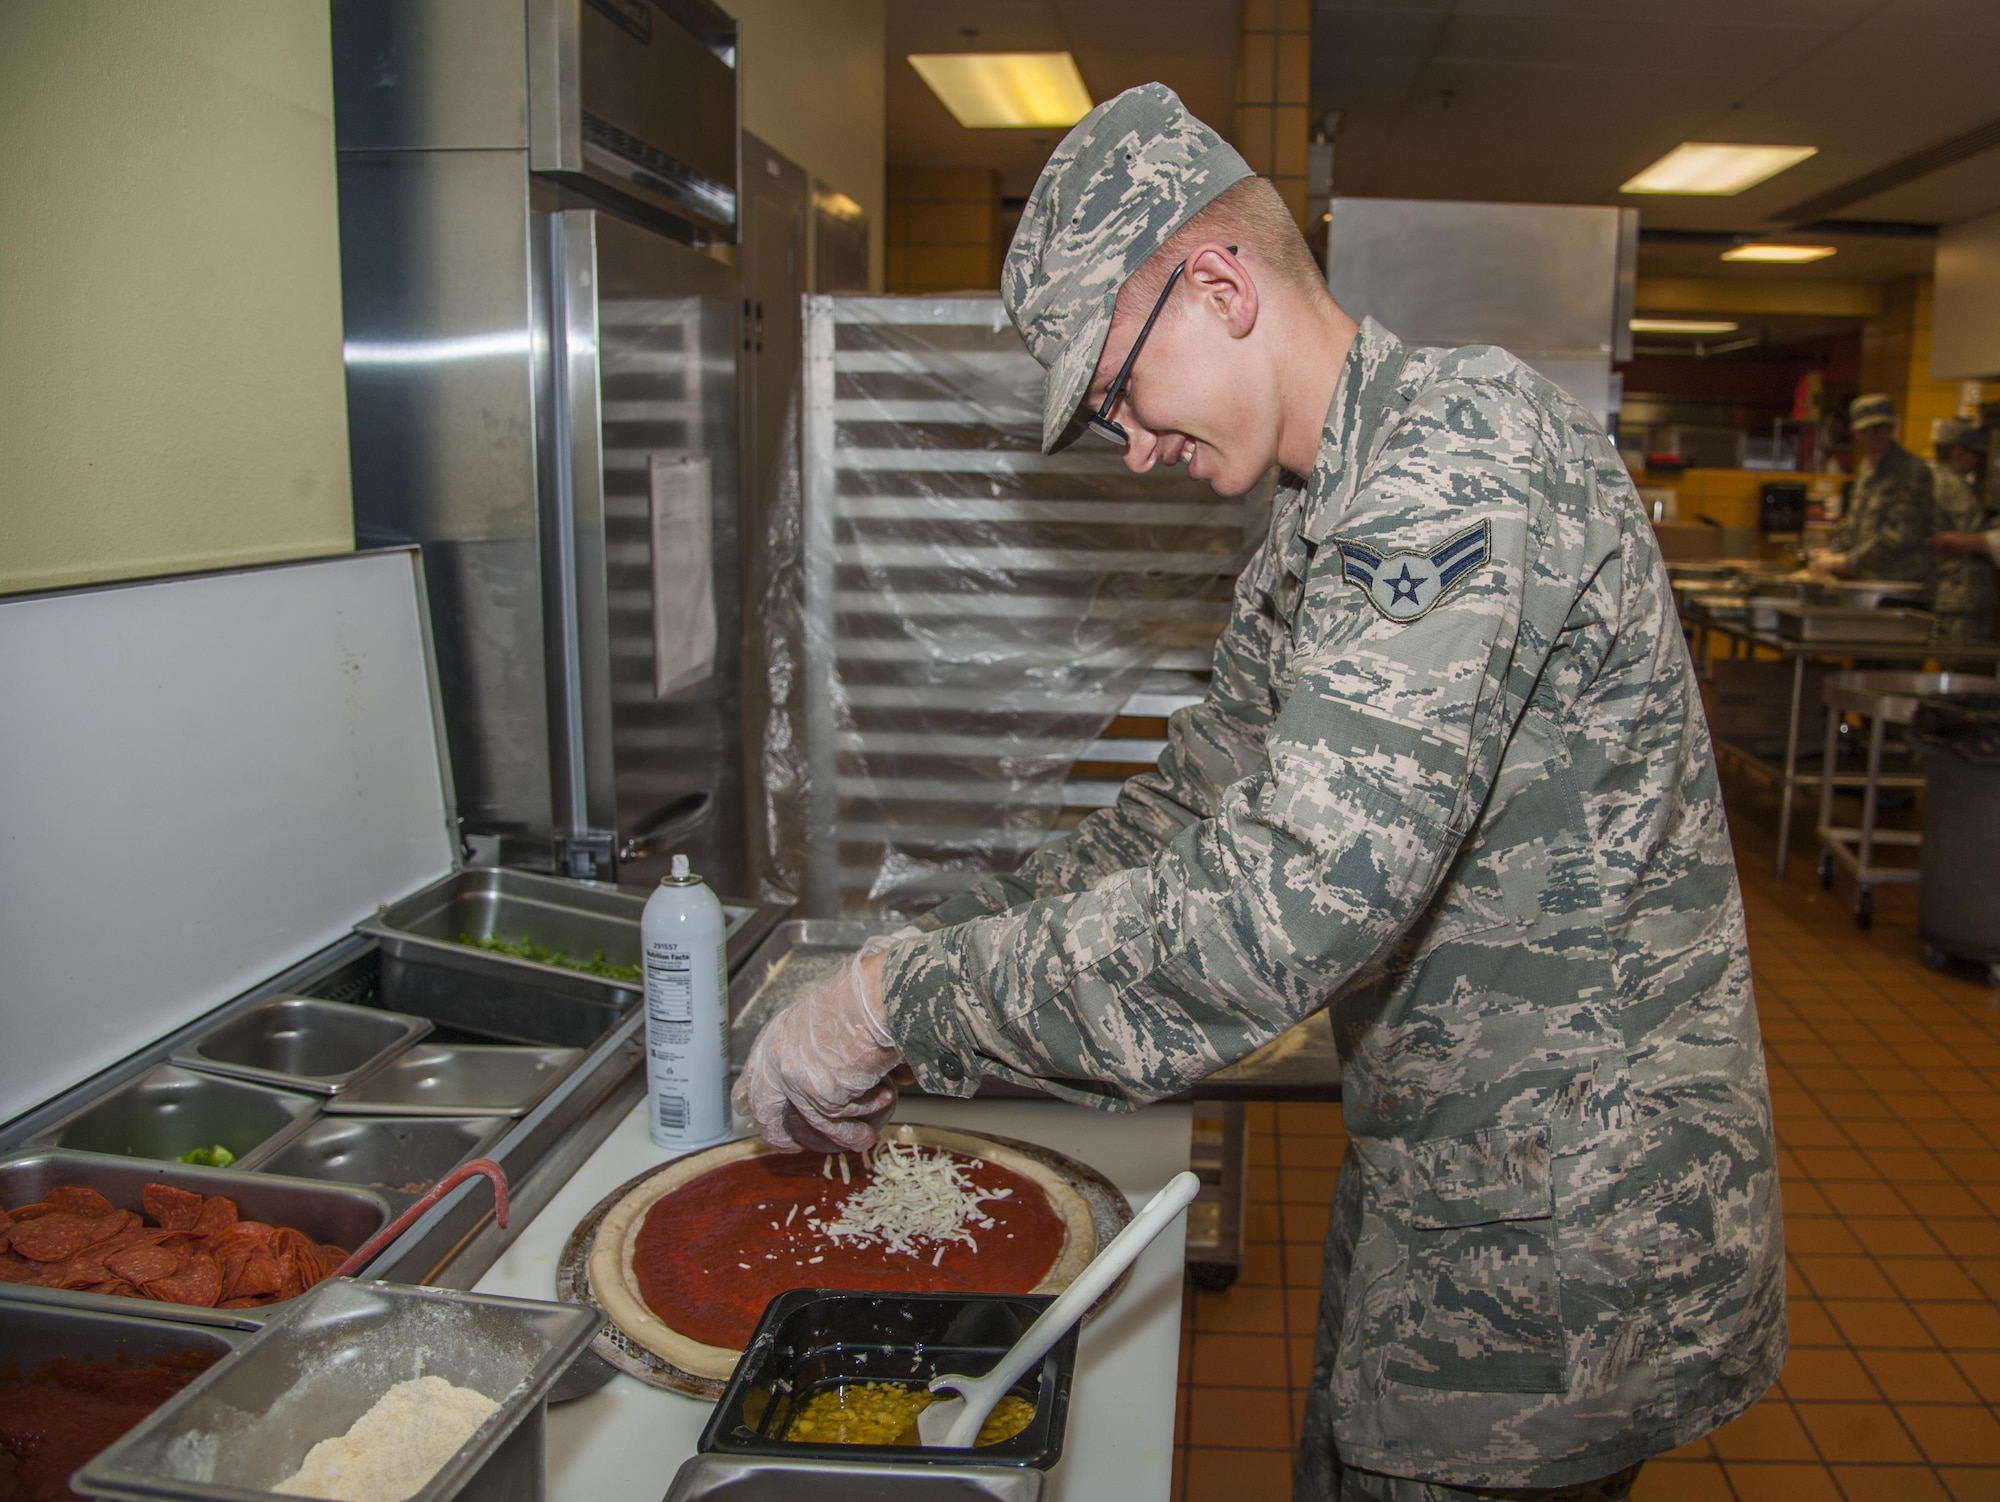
{"x":1682,"y":326}
{"x":994,"y":90}
{"x":1778,"y":255}
{"x":1715,"y":169}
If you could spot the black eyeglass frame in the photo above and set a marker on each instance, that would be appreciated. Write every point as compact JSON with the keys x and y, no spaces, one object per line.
{"x":1099,"y":422}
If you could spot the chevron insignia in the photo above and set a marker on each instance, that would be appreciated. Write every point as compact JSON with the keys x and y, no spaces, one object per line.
{"x":1404,"y":585}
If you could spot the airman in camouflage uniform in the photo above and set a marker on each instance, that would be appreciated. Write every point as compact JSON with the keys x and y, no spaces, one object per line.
{"x":1451,"y":781}
{"x":1885,"y":532}
{"x":1963,"y":599}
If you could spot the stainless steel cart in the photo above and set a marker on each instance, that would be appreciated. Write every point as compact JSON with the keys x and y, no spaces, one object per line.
{"x":1882,"y":699}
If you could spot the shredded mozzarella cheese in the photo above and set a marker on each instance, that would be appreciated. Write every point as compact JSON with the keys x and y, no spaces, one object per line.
{"x":914,"y":1201}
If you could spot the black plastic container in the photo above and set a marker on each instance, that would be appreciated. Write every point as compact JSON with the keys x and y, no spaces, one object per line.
{"x":812,"y":1339}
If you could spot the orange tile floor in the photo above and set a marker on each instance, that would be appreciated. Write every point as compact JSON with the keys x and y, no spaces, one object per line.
{"x":1885,"y":1078}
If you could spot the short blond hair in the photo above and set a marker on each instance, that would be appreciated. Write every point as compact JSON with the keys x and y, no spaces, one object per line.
{"x":1249,"y":215}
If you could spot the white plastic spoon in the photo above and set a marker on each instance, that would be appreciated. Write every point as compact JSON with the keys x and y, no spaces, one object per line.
{"x":954,"y":1423}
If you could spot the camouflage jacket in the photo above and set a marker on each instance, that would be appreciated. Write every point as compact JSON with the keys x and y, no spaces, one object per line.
{"x":1964,"y":584}
{"x":1885,"y":533}
{"x":1452,"y":781}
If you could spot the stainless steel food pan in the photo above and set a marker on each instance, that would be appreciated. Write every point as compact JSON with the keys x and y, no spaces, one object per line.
{"x":584,"y":920}
{"x":1844,"y":624}
{"x":169,"y":1110}
{"x":331,"y":1214}
{"x":460,"y":1079}
{"x":246,"y":1424}
{"x":32,"y":1334}
{"x":797,"y":953}
{"x":304,"y":1043}
{"x":396,"y":1154}
{"x":729,"y":1478}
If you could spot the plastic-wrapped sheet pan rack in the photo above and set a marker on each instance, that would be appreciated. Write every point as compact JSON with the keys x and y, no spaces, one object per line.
{"x":975,"y":617}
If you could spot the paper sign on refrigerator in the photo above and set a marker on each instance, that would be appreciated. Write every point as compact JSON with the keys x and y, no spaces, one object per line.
{"x":683,"y":572}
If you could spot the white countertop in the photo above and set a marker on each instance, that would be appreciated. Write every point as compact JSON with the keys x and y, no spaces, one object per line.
{"x":624,"y":1442}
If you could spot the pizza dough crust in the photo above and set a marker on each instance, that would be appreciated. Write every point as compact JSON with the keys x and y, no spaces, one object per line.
{"x":616,"y":1288}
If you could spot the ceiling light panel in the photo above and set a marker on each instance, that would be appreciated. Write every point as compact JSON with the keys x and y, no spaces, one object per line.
{"x":1710,"y":169}
{"x":1681,"y":326}
{"x":1005,"y":90}
{"x":1778,"y":255}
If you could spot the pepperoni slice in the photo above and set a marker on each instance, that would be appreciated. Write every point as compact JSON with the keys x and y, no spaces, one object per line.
{"x":56,"y":1237}
{"x":16,"y":1270}
{"x":145,"y":1264}
{"x":176,"y":1209}
{"x":260,"y":1276}
{"x":218,"y":1215}
{"x":196,"y":1281}
{"x":33,"y":1211}
{"x":77,"y":1201}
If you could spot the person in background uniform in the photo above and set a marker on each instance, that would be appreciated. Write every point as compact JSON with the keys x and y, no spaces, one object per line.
{"x":1964,"y":596}
{"x":1453,"y":783}
{"x":1885,"y":532}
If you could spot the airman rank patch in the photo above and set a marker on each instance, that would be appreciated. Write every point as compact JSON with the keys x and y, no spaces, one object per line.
{"x":1404,"y":585}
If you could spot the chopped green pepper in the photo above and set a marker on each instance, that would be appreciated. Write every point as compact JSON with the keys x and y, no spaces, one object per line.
{"x":217,"y":1156}
{"x":527,"y":949}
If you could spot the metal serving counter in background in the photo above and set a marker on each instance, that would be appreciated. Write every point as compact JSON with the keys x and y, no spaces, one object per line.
{"x":1744,"y":642}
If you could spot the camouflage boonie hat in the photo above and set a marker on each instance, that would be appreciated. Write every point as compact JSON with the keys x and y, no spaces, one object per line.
{"x":1957,"y":433}
{"x":1870,"y":411}
{"x":1134,"y":170}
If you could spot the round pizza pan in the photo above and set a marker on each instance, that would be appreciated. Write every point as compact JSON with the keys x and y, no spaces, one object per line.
{"x":1108,"y":1212}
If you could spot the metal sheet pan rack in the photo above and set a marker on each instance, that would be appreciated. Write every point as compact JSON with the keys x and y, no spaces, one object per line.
{"x":975,"y":614}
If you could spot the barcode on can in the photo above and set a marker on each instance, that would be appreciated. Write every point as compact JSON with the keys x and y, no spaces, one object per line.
{"x":673,"y":1113}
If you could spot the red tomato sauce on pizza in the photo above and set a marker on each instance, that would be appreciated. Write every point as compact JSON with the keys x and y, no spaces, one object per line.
{"x":712,"y":1254}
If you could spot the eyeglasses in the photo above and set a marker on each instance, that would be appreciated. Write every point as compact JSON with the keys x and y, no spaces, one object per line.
{"x":1099,"y":422}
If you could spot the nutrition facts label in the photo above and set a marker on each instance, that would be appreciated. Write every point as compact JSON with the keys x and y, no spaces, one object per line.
{"x":670,"y":985}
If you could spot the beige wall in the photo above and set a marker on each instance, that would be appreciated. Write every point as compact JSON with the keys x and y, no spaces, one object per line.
{"x":813,"y":89}
{"x":1967,"y":346}
{"x":1896,"y":358}
{"x":171,"y":395}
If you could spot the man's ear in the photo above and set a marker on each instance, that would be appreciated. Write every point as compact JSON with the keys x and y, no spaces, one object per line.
{"x":1225,"y":286}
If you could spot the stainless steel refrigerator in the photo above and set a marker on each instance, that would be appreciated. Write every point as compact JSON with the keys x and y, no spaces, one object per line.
{"x":538,"y":200}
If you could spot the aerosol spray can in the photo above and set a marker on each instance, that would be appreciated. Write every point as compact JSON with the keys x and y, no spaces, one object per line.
{"x":687,"y":1014}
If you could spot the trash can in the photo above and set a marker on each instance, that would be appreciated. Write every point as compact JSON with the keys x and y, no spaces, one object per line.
{"x":1958,"y":902}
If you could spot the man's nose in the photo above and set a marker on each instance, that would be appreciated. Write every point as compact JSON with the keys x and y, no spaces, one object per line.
{"x":1142,"y":446}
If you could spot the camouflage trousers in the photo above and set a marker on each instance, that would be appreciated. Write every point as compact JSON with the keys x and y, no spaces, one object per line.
{"x":1317,"y":1473}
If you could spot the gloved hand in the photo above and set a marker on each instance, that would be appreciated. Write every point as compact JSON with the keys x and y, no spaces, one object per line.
{"x":817,"y":1076}
{"x":1827,"y":561}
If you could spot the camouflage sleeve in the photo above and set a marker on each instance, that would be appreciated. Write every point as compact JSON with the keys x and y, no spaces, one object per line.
{"x":1894,"y":528}
{"x":1958,"y":509}
{"x":1248,"y":918}
{"x":1210,"y":746}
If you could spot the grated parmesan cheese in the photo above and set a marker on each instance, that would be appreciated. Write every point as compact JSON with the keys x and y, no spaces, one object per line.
{"x":915,"y":1201}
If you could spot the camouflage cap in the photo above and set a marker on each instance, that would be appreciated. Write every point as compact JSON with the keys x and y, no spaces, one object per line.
{"x":1957,"y":433}
{"x":1871,"y":411}
{"x":1134,"y":170}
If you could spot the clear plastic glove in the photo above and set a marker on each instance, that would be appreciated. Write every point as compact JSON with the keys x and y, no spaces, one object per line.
{"x":1826,"y":561}
{"x":818,"y":1075}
